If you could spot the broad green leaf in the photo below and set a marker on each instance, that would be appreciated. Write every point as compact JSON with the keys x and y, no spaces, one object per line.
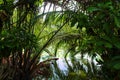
{"x":108,"y":45}
{"x":117,"y":66}
{"x":116,"y":58}
{"x":1,"y":1}
{"x":91,"y":9}
{"x":82,"y":74}
{"x":83,"y":29}
{"x":117,"y":21}
{"x":117,"y":44}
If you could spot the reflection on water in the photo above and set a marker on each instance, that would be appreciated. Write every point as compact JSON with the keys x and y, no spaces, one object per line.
{"x":62,"y":65}
{"x":76,"y":68}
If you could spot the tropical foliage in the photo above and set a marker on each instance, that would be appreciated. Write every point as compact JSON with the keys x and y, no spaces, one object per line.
{"x":82,"y":27}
